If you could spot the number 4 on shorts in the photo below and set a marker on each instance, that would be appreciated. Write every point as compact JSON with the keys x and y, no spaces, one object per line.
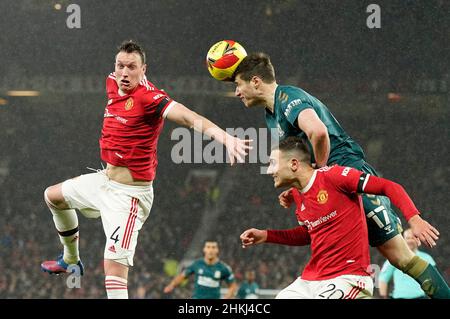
{"x":116,"y":239}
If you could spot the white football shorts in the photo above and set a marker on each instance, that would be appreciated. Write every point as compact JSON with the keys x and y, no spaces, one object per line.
{"x":122,"y":208}
{"x":341,"y":287}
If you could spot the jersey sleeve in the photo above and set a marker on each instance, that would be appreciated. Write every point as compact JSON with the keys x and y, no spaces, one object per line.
{"x":295,"y":104}
{"x":297,"y":236}
{"x":111,"y":85}
{"x":157,"y":104}
{"x":228,"y":275}
{"x":347,"y":179}
{"x":386,"y":273}
{"x":351,"y":180}
{"x":189,"y":270}
{"x":396,"y":193}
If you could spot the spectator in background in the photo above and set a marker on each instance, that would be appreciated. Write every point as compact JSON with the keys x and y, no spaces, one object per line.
{"x":404,"y":286}
{"x":249,"y":288}
{"x":209,"y":273}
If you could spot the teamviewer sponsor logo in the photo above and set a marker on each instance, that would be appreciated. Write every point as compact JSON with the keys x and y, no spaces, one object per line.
{"x":207,"y":282}
{"x":320,"y":220}
{"x":118,"y":118}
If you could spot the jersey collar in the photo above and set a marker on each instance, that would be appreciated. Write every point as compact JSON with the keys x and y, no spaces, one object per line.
{"x":310,"y":183}
{"x":276,"y":93}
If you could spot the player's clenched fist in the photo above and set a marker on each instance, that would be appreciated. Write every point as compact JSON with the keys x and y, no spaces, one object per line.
{"x":253,"y":236}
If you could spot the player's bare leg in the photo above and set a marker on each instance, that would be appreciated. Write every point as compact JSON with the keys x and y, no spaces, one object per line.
{"x":116,"y":279}
{"x":399,"y":255}
{"x":66,"y":222}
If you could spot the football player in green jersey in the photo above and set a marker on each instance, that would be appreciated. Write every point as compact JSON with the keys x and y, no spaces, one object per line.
{"x":209,"y":273}
{"x":290,"y":111}
{"x":248,"y":288}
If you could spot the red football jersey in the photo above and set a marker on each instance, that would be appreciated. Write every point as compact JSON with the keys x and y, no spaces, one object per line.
{"x":131,"y":127}
{"x":331,"y":209}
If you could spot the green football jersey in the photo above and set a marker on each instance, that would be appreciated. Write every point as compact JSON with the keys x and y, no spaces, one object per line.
{"x":289,"y":102}
{"x":208,"y":278}
{"x":248,"y":290}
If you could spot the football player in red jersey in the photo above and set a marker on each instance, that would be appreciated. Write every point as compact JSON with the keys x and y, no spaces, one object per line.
{"x":291,"y":111}
{"x":331,"y":217}
{"x":122,"y":194}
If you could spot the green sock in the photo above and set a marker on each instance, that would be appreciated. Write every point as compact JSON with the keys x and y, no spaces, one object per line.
{"x":428,"y":277}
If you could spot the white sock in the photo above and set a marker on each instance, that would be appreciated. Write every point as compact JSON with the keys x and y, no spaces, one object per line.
{"x":66,"y":222}
{"x":116,"y":287}
{"x":70,"y":241}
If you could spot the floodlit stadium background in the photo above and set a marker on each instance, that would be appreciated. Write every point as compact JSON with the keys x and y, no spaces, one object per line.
{"x":388,"y":87}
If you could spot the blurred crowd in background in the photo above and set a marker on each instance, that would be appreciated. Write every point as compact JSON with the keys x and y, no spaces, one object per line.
{"x":398,"y":138}
{"x":389,"y":88}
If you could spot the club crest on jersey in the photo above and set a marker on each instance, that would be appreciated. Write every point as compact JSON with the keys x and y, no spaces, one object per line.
{"x":129,"y":104}
{"x":322,"y":196}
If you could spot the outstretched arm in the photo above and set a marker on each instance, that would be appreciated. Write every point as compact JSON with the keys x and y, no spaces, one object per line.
{"x":397,"y":194}
{"x":297,"y":236}
{"x":174,"y":283}
{"x":237,"y":148}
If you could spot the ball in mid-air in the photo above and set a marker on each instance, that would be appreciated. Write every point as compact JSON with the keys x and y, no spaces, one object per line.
{"x":223,"y":58}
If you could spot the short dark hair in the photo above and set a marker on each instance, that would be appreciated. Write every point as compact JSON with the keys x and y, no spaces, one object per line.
{"x":256,"y":64}
{"x":294,"y":144}
{"x":129,"y":46}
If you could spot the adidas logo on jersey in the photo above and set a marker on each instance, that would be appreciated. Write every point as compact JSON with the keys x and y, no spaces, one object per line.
{"x":112,"y":249}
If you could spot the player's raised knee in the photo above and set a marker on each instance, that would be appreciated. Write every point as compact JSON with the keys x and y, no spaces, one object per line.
{"x":54,"y":198}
